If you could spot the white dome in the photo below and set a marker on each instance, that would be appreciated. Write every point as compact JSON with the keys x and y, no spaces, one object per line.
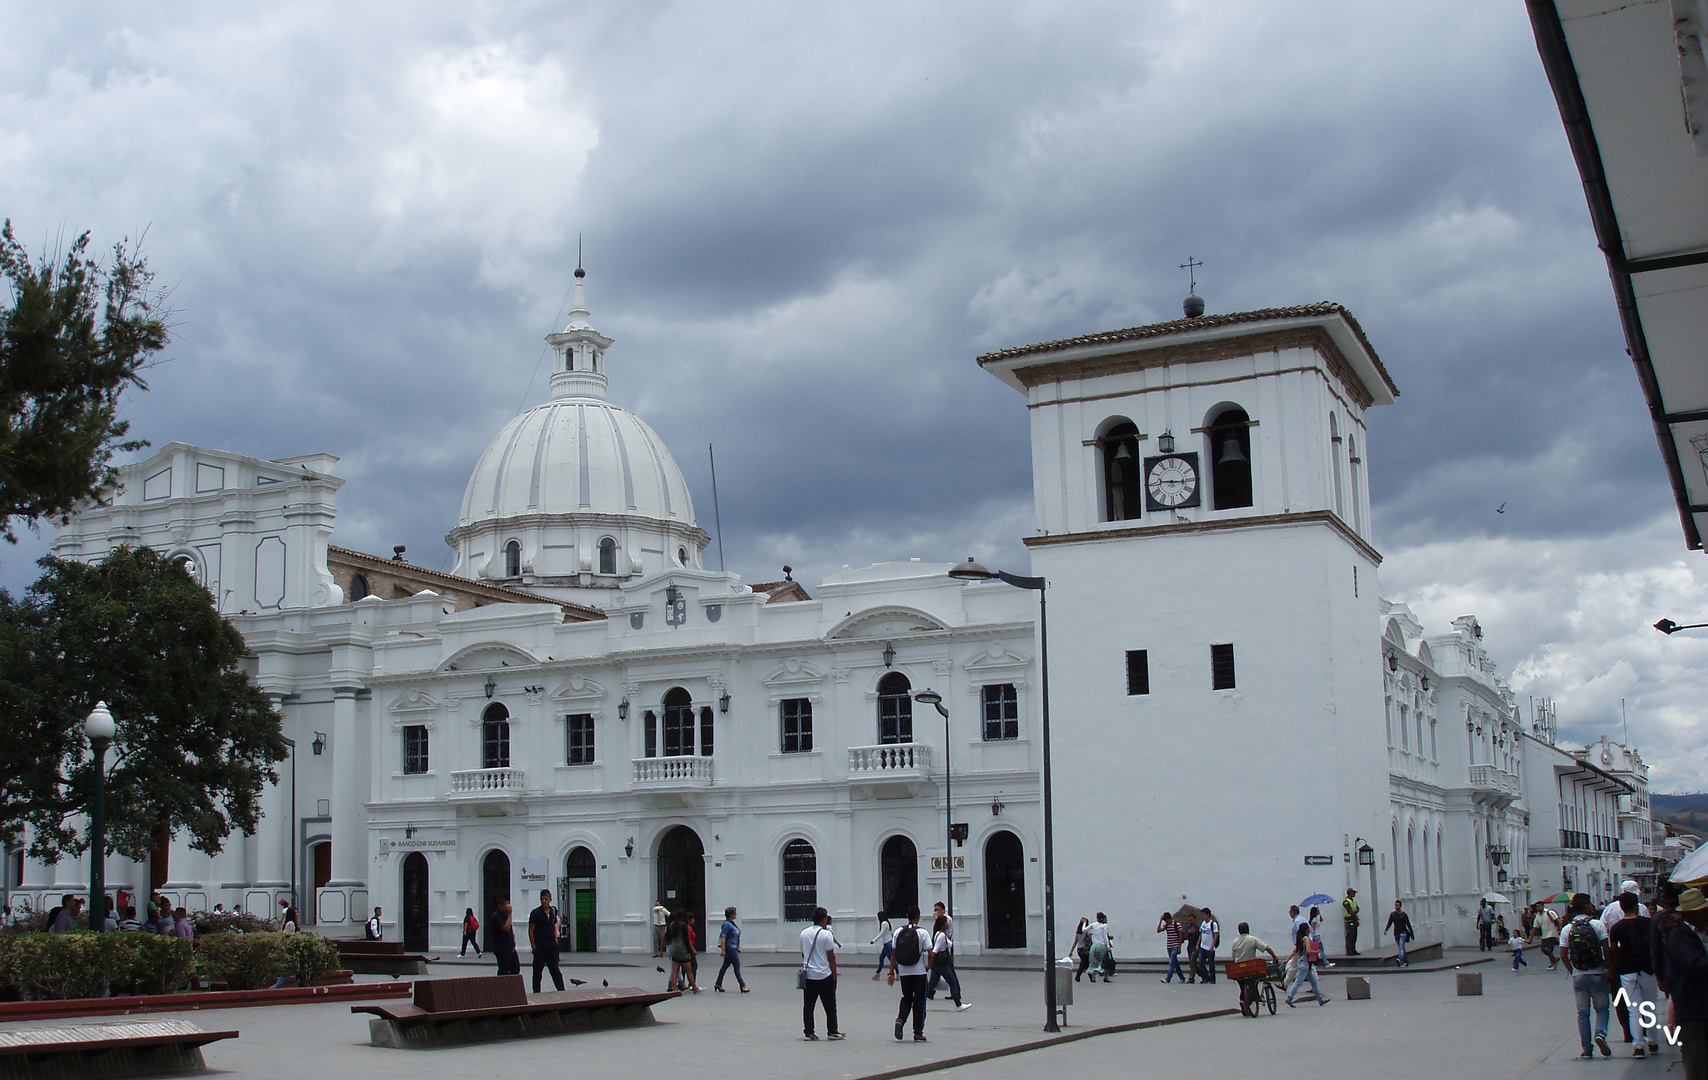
{"x":577,"y":455}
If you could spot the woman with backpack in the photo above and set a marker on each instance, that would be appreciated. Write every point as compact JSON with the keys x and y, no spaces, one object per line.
{"x":471,"y":926}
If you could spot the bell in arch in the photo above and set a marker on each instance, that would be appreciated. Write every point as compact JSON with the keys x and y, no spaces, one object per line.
{"x":1231,"y":453}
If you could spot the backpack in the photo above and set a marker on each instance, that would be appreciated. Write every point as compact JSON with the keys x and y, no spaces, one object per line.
{"x":1583,"y":946}
{"x":907,"y":947}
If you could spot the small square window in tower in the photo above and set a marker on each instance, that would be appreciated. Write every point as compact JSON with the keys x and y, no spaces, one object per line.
{"x":1138,"y":672}
{"x":1001,"y":712}
{"x":1221,"y":667}
{"x":1230,"y":450}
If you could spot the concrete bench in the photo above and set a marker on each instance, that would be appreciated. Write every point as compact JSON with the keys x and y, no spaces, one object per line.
{"x":132,"y":1048}
{"x":448,"y":1012}
{"x":380,"y":958}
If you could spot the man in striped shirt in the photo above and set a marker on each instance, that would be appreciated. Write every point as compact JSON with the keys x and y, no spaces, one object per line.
{"x":1170,"y":926}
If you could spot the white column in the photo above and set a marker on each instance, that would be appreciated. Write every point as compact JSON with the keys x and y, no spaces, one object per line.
{"x":349,"y":791}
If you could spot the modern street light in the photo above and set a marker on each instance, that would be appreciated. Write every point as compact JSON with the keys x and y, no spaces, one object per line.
{"x":1667,"y":626}
{"x":99,"y":726}
{"x":931,"y":697}
{"x":972,"y":571}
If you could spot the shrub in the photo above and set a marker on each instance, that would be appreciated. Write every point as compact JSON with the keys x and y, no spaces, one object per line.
{"x":144,"y":963}
{"x":79,"y":964}
{"x":310,"y":956}
{"x":245,"y":961}
{"x":216,"y":922}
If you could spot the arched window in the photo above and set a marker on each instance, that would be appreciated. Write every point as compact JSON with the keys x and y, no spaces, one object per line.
{"x":895,"y":709}
{"x":495,"y":737}
{"x":1353,"y":461}
{"x":1411,"y":862}
{"x":1394,"y":846}
{"x":1121,"y":472}
{"x":358,"y":587}
{"x":1440,"y":863}
{"x":513,"y":559}
{"x":1230,"y":449}
{"x":678,"y":723}
{"x":1426,"y":860}
{"x":800,"y":881}
{"x":580,"y":864}
{"x":1334,"y":463}
{"x":682,"y":556}
{"x":607,"y":556}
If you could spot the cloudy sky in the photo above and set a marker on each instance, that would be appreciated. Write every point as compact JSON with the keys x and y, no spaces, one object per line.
{"x":803,"y":222}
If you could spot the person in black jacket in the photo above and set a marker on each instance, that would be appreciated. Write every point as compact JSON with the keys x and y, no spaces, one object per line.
{"x":1687,"y":969}
{"x":1399,"y":924}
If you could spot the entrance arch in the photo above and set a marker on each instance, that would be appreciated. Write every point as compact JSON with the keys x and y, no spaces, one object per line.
{"x":415,"y":916}
{"x":682,"y":876}
{"x":494,"y":887}
{"x":899,"y":864}
{"x":1005,"y":890}
{"x":577,"y":893}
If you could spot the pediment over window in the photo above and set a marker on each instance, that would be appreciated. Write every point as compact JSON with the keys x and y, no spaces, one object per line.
{"x":997,"y":656}
{"x":793,"y":672}
{"x":1424,"y":654}
{"x":488,"y":657}
{"x":413,"y":700}
{"x":578,"y":688}
{"x":886,"y":622}
{"x":1394,"y":634}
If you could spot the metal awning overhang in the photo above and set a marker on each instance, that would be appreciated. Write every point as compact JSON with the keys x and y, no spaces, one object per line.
{"x":1632,"y":87}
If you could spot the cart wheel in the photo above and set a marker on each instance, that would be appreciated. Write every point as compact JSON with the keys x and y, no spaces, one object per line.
{"x":1269,"y":997}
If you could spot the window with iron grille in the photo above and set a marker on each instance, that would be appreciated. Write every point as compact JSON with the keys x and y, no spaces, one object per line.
{"x":495,"y":737}
{"x":1001,"y":712}
{"x":579,"y":730}
{"x":895,"y":709}
{"x":800,"y":881}
{"x":414,"y":749}
{"x":1221,"y":667}
{"x":678,"y":723}
{"x":705,"y":731}
{"x":797,"y":725}
{"x":651,"y":733}
{"x":1138,"y":672}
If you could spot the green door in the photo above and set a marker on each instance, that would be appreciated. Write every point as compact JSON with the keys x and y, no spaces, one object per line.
{"x":586,"y":919}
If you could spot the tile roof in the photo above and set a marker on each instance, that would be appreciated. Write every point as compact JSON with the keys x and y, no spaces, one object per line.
{"x":501,"y":593}
{"x":1177,"y":326}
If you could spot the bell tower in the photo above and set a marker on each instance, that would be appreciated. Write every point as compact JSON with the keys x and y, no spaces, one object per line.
{"x":1202,"y":519}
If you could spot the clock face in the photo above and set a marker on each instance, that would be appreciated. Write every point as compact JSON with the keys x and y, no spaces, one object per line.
{"x":1171,"y":481}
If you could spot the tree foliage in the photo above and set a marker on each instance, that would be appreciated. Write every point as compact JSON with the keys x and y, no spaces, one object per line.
{"x":74,"y":336}
{"x":197,"y":740}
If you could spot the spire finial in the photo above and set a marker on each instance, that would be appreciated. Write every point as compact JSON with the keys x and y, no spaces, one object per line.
{"x":579,"y":272}
{"x":1193,"y":305}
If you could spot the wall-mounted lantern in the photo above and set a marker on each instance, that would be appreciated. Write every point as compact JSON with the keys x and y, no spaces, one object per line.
{"x":889,"y":654}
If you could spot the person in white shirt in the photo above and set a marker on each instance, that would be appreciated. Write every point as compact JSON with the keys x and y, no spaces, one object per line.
{"x":886,"y":934}
{"x":909,"y":962}
{"x":1610,"y":916}
{"x":1099,"y":946}
{"x":660,"y":918}
{"x":942,"y":964}
{"x":818,"y":974}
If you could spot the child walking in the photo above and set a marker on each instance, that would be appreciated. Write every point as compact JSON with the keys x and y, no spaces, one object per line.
{"x":1516,"y":944}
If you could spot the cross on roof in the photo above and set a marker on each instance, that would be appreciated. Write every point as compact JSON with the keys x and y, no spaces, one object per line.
{"x":1191,"y":266}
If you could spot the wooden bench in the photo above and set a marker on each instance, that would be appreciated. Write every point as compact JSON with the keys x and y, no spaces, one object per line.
{"x":380,"y":958}
{"x":132,"y":1048}
{"x":487,"y":1008}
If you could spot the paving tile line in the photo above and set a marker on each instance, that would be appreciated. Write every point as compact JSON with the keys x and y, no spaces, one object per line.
{"x":1041,"y":1044}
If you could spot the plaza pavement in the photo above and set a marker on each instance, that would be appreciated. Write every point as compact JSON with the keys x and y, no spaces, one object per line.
{"x":1523,"y":1027}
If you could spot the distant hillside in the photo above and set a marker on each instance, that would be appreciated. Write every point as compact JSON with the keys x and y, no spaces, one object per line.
{"x":1673,"y":804}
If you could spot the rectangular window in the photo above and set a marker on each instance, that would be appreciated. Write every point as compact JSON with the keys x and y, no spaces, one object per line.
{"x":797,"y":725}
{"x":414,"y":749}
{"x":705,"y":731}
{"x":651,"y":733}
{"x":1001,"y":713}
{"x":1405,"y":738}
{"x":1221,"y":667}
{"x":1138,"y":672}
{"x":579,"y":733}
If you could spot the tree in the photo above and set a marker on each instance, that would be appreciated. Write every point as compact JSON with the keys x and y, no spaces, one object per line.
{"x":75,"y":336}
{"x":197,"y":740}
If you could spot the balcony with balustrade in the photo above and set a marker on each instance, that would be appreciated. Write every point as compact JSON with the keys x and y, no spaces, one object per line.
{"x":1489,"y":783}
{"x":489,"y":791}
{"x":890,"y":770}
{"x":672,"y":778}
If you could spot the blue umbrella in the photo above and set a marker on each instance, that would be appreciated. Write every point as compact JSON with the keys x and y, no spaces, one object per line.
{"x":1319,"y":898}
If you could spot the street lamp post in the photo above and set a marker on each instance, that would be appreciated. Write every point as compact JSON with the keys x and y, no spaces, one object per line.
{"x":972,"y":571}
{"x":1668,"y":627}
{"x":295,"y":827}
{"x":99,"y":726}
{"x":931,"y":697}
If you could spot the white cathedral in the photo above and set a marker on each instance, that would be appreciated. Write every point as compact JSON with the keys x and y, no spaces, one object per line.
{"x":582,"y":705}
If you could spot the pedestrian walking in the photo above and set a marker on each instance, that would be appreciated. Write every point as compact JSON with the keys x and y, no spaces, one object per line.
{"x":1583,"y":948}
{"x":1399,"y":924}
{"x":1666,"y":920}
{"x":544,"y":929}
{"x":1610,"y":916}
{"x":1099,"y":946}
{"x":1082,"y":946}
{"x":471,"y":927}
{"x":941,"y":964}
{"x":374,"y":929}
{"x":1173,"y":937}
{"x":729,"y":945}
{"x":501,"y":939}
{"x":660,"y":919}
{"x":679,"y":946}
{"x":291,"y":924}
{"x":1316,"y":922}
{"x":1485,"y":925}
{"x":818,"y":975}
{"x":1633,"y":965}
{"x":1193,"y":935}
{"x":1349,"y":915}
{"x":886,"y":934}
{"x":1687,"y":970}
{"x":1515,"y":944}
{"x":1303,"y":950}
{"x":1549,"y":924}
{"x":1209,"y":936}
{"x":1292,"y":965}
{"x":908,"y":963}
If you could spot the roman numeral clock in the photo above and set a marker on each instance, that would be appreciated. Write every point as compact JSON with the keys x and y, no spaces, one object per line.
{"x":1171,"y":481}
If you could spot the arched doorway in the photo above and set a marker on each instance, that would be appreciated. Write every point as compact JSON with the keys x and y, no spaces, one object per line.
{"x":415,"y":916}
{"x":1005,"y":890}
{"x":320,"y":863}
{"x":495,"y":737}
{"x":899,"y":865}
{"x":577,"y":895}
{"x":682,"y":876}
{"x":895,"y":709}
{"x":494,"y":886}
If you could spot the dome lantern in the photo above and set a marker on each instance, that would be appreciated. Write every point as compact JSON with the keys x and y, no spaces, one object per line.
{"x":579,"y":369}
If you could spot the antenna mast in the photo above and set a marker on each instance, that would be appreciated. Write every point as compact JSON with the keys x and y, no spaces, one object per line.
{"x":717,"y":517}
